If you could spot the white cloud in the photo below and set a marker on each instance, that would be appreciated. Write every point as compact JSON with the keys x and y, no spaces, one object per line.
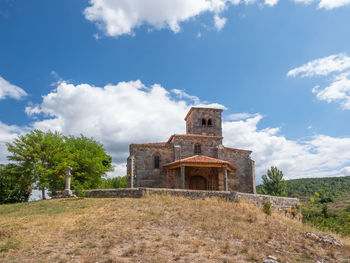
{"x":326,"y":4}
{"x":330,"y":4}
{"x":115,"y":114}
{"x":322,"y":66}
{"x":8,"y":90}
{"x":338,"y":66}
{"x":118,"y":17}
{"x":183,"y":95}
{"x":7,"y":134}
{"x":346,"y":171}
{"x":338,"y":91}
{"x":219,"y":22}
{"x":306,"y":2}
{"x":118,"y":115}
{"x":271,"y":2}
{"x":319,"y":156}
{"x":241,"y":116}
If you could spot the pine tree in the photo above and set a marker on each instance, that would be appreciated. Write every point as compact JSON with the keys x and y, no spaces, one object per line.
{"x":273,"y":183}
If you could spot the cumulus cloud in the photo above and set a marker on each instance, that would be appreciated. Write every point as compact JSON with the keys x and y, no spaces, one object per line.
{"x":183,"y":95}
{"x":321,"y":155}
{"x":330,"y":4}
{"x":307,"y":2}
{"x":325,"y":4}
{"x":118,"y":17}
{"x":241,"y":116}
{"x":127,"y":112}
{"x":346,"y":171}
{"x":338,"y":66}
{"x":271,"y":2}
{"x":8,"y":90}
{"x":338,"y":91}
{"x":322,"y":66}
{"x":115,"y":114}
{"x":7,"y":134}
{"x":219,"y":22}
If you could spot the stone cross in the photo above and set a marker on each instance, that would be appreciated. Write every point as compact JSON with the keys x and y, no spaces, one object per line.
{"x":67,"y":191}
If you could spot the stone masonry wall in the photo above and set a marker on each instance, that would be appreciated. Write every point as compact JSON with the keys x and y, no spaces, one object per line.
{"x":194,"y":122}
{"x":242,"y":179}
{"x":186,"y":145}
{"x":279,"y":203}
{"x":146,"y":174}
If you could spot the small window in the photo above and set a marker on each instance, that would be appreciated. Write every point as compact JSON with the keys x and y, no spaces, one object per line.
{"x":210,"y":123}
{"x":204,"y":122}
{"x":156,"y":162}
{"x":197,"y":148}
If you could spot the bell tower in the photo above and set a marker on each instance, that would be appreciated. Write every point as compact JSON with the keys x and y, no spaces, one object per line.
{"x":204,"y":121}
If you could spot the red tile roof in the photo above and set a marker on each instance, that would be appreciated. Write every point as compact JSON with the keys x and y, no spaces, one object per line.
{"x":198,"y":160}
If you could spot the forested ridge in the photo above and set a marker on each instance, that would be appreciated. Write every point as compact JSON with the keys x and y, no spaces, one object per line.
{"x":326,"y":201}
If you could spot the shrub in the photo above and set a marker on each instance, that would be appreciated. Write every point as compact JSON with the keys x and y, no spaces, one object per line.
{"x":267,"y":207}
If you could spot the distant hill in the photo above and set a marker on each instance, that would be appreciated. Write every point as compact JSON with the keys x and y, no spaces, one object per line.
{"x":155,"y":229}
{"x":335,"y":188}
{"x":326,"y":201}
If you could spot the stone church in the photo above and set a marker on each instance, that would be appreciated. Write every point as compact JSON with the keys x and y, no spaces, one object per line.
{"x":196,"y":160}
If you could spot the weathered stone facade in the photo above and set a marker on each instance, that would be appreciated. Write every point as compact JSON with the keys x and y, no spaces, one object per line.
{"x":195,"y":160}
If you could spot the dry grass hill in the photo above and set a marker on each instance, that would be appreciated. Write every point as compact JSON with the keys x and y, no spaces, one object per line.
{"x":155,"y":229}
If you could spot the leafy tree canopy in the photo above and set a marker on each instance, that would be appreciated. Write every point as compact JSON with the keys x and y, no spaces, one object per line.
{"x":41,"y":158}
{"x":273,"y":183}
{"x":15,"y":186}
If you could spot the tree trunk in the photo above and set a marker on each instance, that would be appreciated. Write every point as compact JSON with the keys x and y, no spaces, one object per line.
{"x":43,"y":193}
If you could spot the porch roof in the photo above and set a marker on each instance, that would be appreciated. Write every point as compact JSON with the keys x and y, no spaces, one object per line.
{"x":200,"y":161}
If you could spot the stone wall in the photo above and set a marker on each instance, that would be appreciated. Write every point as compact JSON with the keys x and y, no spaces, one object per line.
{"x":186,"y":143}
{"x":242,"y":179}
{"x":194,"y":121}
{"x":280,"y":203}
{"x":146,"y":174}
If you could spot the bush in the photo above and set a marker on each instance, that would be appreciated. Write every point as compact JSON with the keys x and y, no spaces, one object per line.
{"x":116,"y":182}
{"x":267,"y":207}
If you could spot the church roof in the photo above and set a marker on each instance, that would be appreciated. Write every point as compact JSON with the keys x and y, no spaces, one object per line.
{"x":201,"y":161}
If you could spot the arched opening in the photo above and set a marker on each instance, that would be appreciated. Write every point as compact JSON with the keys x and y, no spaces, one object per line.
{"x":204,"y":122}
{"x":198,"y":183}
{"x":210,"y":122}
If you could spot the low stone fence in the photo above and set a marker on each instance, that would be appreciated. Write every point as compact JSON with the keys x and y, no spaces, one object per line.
{"x":279,"y":203}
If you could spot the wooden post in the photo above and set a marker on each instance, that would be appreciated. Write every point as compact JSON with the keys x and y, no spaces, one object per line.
{"x":182,"y":177}
{"x":225,"y":178}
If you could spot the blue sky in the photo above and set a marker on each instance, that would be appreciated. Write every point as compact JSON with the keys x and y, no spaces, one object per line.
{"x":56,"y":58}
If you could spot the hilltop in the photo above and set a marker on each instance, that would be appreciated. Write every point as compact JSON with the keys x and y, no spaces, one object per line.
{"x":155,"y":229}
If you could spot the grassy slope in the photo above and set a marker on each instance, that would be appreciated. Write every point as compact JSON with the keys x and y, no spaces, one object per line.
{"x":154,"y":229}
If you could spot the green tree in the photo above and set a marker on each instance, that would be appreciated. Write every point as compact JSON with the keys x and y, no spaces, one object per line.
{"x":116,"y":182}
{"x":40,"y":156}
{"x":14,"y":186}
{"x":88,"y":160}
{"x":43,"y":156}
{"x":273,"y":183}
